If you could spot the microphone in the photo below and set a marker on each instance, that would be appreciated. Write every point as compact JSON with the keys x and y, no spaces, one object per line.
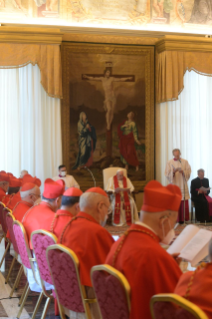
{"x":180,"y":160}
{"x":93,"y":178}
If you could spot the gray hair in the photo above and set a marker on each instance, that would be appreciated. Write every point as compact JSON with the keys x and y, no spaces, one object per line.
{"x":176,"y":149}
{"x":24,"y":171}
{"x":27,"y":193}
{"x":90,"y":200}
{"x":200,"y":170}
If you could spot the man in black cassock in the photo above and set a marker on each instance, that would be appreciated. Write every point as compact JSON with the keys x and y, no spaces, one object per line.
{"x":198,"y":196}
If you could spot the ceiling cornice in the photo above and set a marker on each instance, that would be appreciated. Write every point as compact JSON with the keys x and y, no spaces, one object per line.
{"x":182,"y":43}
{"x":30,"y":35}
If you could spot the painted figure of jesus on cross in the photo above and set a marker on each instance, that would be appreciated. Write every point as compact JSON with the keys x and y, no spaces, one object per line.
{"x":107,"y":80}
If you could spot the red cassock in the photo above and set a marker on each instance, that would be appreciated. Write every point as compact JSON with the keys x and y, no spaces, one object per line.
{"x":19,"y":211}
{"x":199,"y":293}
{"x":148,"y":268}
{"x":14,"y":199}
{"x":90,"y":242}
{"x":61,"y":218}
{"x":4,"y":198}
{"x":38,"y":217}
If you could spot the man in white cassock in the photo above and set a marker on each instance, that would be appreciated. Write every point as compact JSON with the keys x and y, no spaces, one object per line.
{"x":68,"y":179}
{"x":178,"y":172}
{"x":124,"y":210}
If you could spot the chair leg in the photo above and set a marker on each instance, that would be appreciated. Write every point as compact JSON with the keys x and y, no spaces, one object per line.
{"x":8,"y":246}
{"x":11,"y":268}
{"x":1,"y":238}
{"x":17,"y":280}
{"x":23,"y":293}
{"x":48,"y":300}
{"x":37,"y":305}
{"x":23,"y":302}
{"x":61,"y":311}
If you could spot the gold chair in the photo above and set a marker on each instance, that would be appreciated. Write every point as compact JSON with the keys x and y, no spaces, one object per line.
{"x":2,"y":205}
{"x":27,"y":260}
{"x":64,"y":268}
{"x":9,"y":221}
{"x":112,"y":291}
{"x":41,"y":240}
{"x":166,"y":306}
{"x":3,"y":212}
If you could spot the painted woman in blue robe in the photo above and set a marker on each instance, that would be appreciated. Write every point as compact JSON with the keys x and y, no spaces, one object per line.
{"x":86,"y":141}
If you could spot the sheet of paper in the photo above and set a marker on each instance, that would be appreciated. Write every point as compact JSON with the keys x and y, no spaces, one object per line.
{"x":197,"y":248}
{"x":204,"y":189}
{"x":182,"y":240}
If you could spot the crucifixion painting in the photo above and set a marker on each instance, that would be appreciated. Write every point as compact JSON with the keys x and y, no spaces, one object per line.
{"x":108,"y":80}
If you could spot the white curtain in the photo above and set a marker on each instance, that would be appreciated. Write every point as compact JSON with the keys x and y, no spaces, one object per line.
{"x":30,"y":124}
{"x":186,"y":124}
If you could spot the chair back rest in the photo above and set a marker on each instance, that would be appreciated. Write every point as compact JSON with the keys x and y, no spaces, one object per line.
{"x":112,"y":292}
{"x":2,"y":205}
{"x":166,"y":306}
{"x":5,"y":211}
{"x":64,"y":268}
{"x":41,"y":240}
{"x":23,"y":245}
{"x":110,"y":172}
{"x":9,"y":221}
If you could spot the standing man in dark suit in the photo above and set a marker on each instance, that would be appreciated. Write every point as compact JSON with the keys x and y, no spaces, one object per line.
{"x":198,"y":196}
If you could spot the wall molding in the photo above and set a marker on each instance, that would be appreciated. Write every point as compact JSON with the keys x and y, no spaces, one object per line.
{"x":30,"y":35}
{"x":182,"y":43}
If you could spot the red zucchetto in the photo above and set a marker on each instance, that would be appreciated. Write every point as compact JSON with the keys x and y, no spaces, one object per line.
{"x":4,"y":177}
{"x":53,"y":189}
{"x":158,"y":198}
{"x":73,"y":192}
{"x":97,"y":190}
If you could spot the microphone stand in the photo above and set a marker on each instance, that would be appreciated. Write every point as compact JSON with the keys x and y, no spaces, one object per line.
{"x":93,"y":178}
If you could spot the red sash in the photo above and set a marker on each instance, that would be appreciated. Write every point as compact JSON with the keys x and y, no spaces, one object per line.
{"x":126,"y":204}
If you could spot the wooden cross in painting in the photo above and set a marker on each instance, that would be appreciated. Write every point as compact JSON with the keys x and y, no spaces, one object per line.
{"x":107,"y":80}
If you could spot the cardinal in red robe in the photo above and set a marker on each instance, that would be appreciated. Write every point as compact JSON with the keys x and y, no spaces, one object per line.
{"x":41,"y":215}
{"x":195,"y":286}
{"x":148,"y":268}
{"x":28,"y":195}
{"x":4,"y":185}
{"x":90,"y":241}
{"x":31,"y":196}
{"x":69,"y":209}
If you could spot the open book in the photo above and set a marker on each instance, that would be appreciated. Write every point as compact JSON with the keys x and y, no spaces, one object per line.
{"x":192,"y":244}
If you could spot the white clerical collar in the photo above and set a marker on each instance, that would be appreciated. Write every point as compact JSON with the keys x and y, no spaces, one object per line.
{"x":146,"y":226}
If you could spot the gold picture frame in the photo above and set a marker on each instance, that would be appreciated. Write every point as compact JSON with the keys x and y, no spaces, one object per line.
{"x":70,"y":51}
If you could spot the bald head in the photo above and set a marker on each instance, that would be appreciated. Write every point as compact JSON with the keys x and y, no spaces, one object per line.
{"x":23,"y":172}
{"x":95,"y":205}
{"x":31,"y":195}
